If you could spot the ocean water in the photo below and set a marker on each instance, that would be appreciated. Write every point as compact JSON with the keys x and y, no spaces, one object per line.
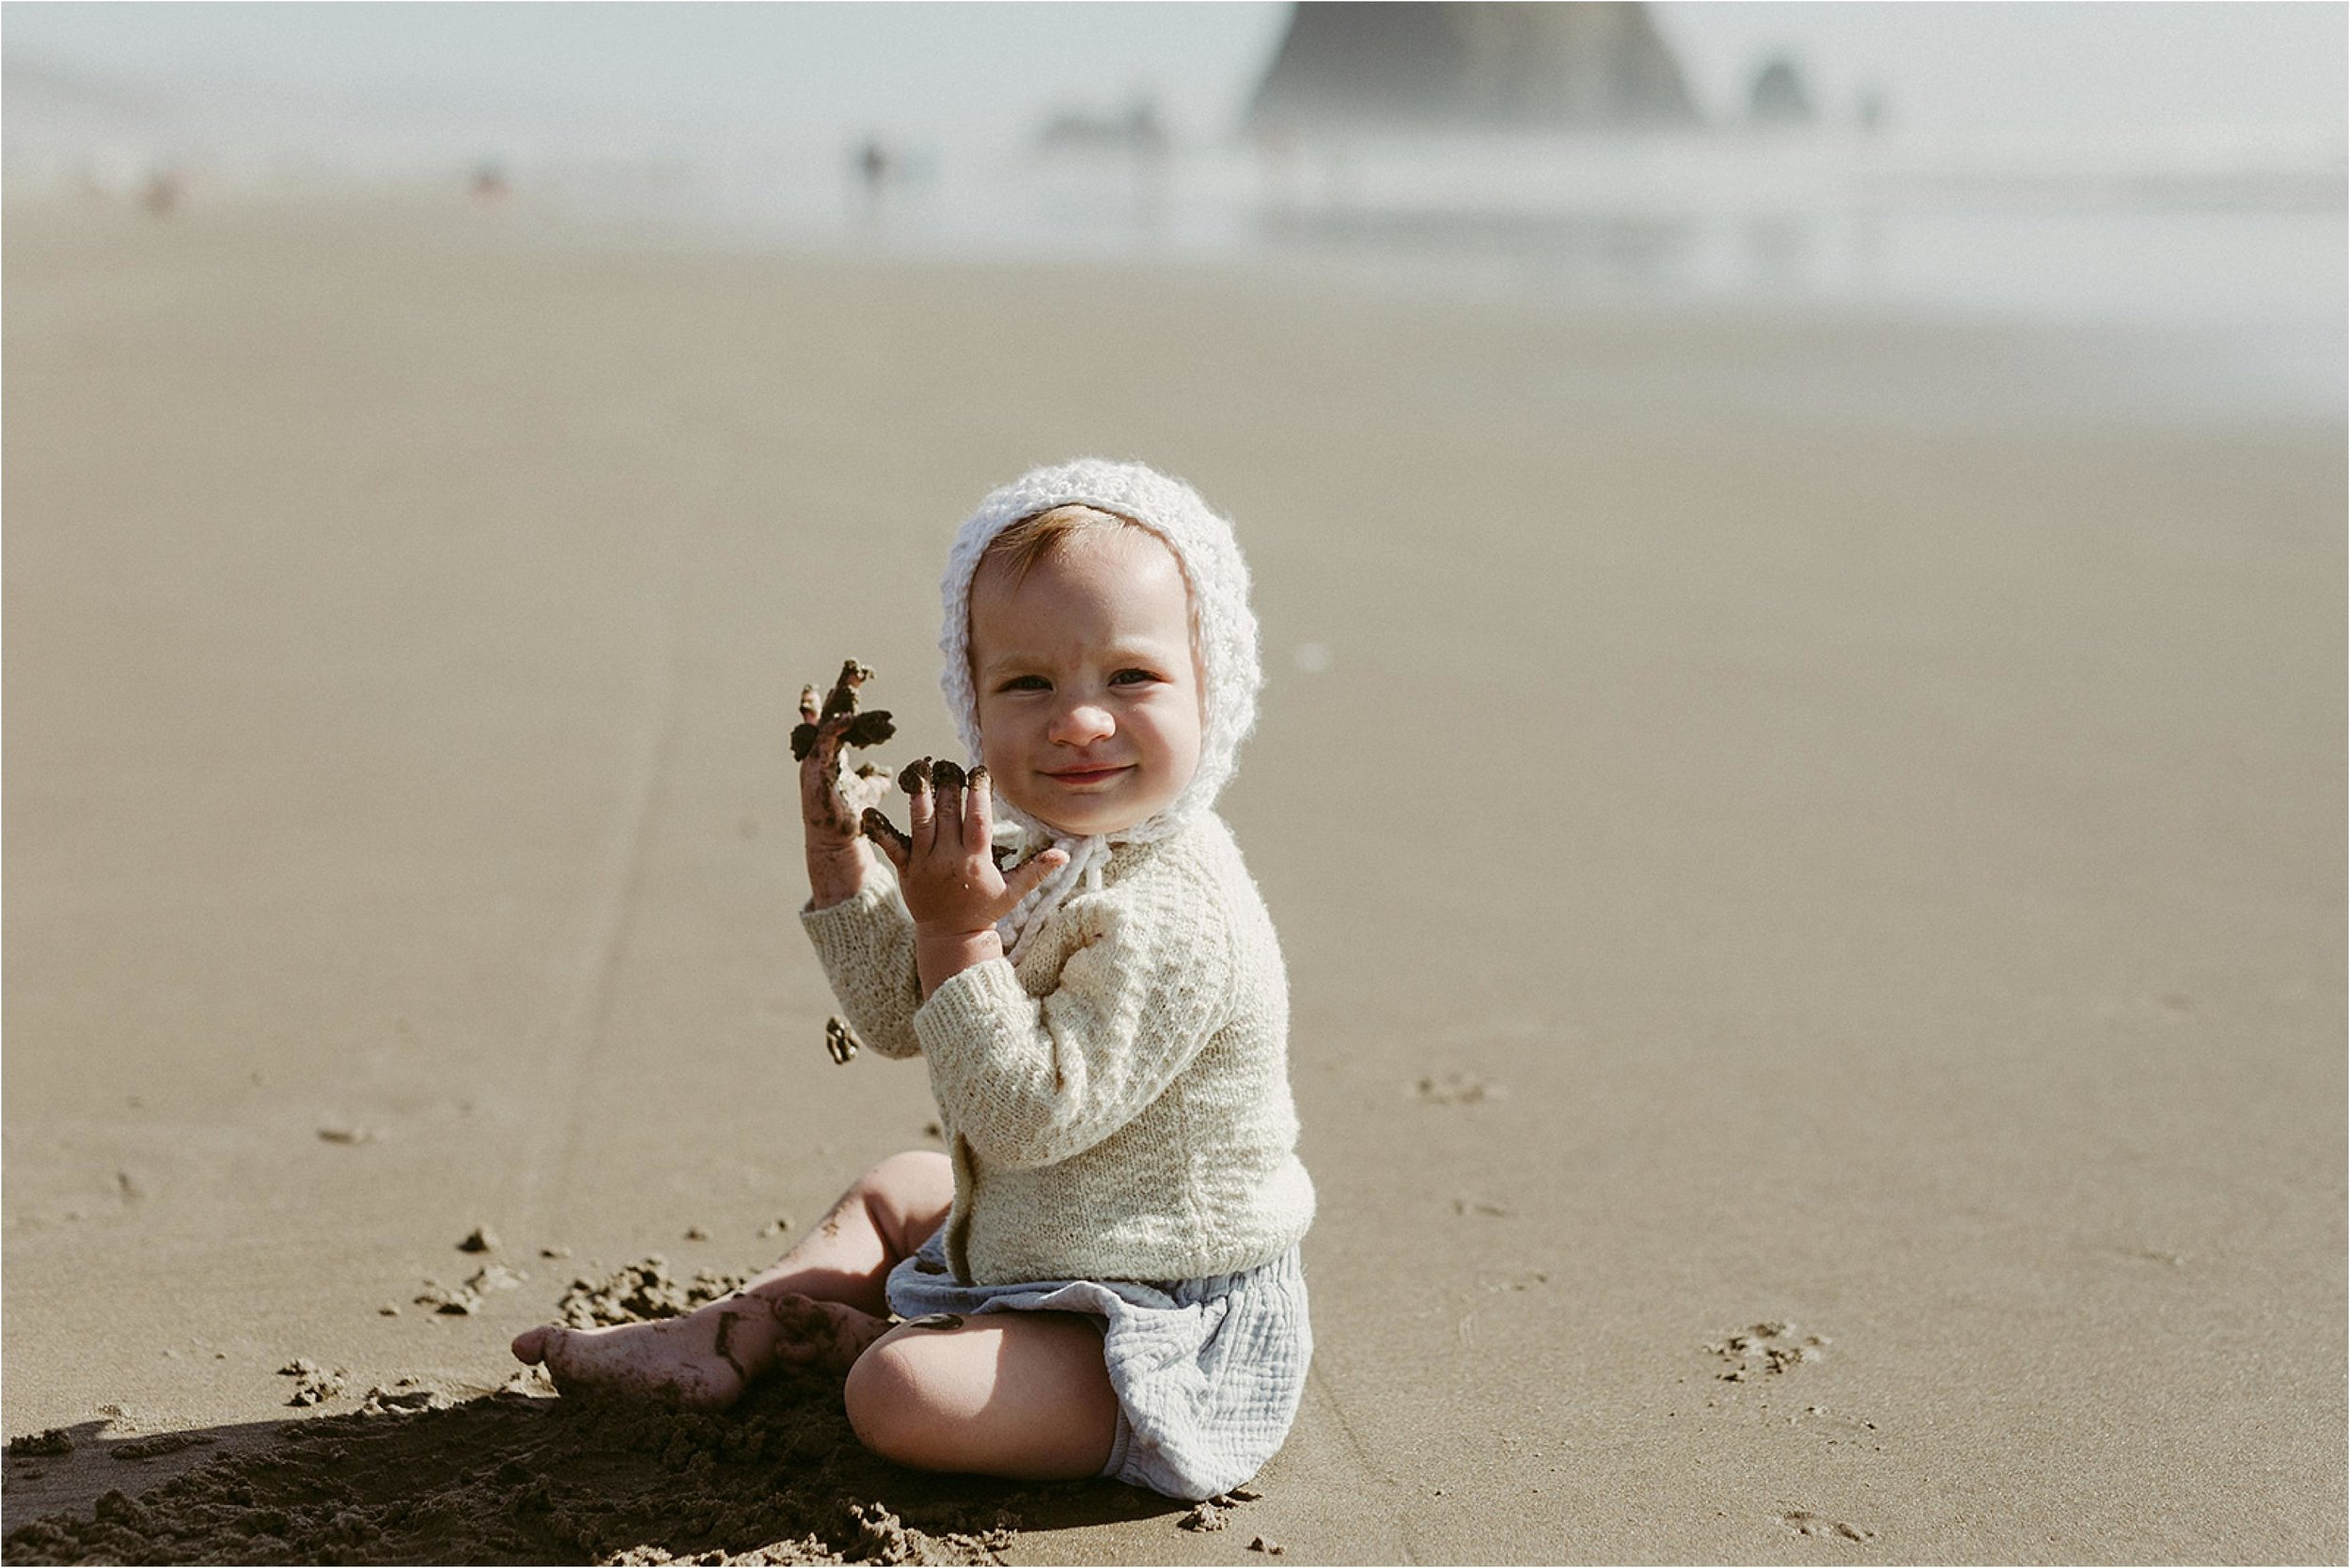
{"x":2229,"y":264}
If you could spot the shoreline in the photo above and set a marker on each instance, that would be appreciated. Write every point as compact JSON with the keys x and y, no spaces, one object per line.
{"x":1470,"y":275}
{"x":1868,"y":362}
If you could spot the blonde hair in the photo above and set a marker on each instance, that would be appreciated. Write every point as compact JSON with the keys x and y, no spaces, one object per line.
{"x":1037,"y":537}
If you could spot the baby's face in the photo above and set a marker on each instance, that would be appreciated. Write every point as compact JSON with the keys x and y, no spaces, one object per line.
{"x":1088,"y":695}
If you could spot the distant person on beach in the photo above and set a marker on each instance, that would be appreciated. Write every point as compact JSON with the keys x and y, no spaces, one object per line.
{"x":874,"y":167}
{"x":1101,"y":1275}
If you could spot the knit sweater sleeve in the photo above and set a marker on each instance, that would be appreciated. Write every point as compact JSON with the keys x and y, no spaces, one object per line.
{"x":1032,"y":1081}
{"x":866,"y":945}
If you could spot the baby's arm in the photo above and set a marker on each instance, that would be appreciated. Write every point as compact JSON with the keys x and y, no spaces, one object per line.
{"x":866,"y":945}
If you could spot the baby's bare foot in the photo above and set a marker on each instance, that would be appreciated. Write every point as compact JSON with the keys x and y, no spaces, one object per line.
{"x":690,"y":1362}
{"x":705,"y":1360}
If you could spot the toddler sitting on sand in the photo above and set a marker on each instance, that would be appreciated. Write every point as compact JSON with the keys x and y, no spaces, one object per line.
{"x":1100,"y":1276}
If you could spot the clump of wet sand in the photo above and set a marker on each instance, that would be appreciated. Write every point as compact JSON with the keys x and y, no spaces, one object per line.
{"x":465,"y":1299}
{"x":313,"y":1383}
{"x":640,"y":1292}
{"x":510,"y":1477}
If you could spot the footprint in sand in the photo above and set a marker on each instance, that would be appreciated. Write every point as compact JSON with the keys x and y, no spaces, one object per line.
{"x":1458,"y":1089}
{"x":2149,"y":1255}
{"x":1806,"y":1523}
{"x":1766,"y":1350}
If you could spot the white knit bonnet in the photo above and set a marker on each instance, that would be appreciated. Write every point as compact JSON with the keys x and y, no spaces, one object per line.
{"x":1223,"y":630}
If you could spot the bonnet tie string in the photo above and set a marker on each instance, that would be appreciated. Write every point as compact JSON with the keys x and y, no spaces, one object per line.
{"x":1085,"y":858}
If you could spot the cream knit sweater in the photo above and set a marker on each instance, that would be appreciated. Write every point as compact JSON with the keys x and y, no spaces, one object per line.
{"x":1118,"y":1106}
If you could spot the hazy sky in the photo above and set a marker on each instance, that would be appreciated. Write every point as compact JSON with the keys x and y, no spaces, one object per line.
{"x":936,"y":68}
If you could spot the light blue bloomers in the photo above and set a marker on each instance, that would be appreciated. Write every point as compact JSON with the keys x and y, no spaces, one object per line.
{"x":1208,"y":1373}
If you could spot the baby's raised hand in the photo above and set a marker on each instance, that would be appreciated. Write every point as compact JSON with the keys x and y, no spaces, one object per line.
{"x":830,"y":804}
{"x":946,"y":866}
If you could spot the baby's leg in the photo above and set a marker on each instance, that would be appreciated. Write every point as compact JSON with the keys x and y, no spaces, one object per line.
{"x":1023,"y":1395}
{"x":882,"y":1220}
{"x":821,"y":1304}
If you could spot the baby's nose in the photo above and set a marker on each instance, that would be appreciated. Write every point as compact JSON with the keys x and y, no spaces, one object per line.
{"x":1082,"y":724}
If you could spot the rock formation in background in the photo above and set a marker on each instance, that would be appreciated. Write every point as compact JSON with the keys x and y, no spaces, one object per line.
{"x":1779,"y":97}
{"x":1473,"y":66}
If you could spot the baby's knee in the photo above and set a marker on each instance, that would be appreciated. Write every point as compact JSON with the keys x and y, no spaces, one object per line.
{"x":915,"y":1182}
{"x":894,"y":1411}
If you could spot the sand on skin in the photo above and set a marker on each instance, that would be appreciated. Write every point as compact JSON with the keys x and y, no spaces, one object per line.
{"x":1846,"y":842}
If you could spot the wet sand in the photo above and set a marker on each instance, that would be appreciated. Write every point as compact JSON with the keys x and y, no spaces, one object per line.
{"x":1810,"y":856}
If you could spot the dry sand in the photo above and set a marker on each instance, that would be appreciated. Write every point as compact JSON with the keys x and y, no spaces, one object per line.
{"x":1812,"y":869}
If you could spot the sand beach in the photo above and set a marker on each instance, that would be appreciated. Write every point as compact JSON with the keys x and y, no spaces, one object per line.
{"x":1810,"y":854}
